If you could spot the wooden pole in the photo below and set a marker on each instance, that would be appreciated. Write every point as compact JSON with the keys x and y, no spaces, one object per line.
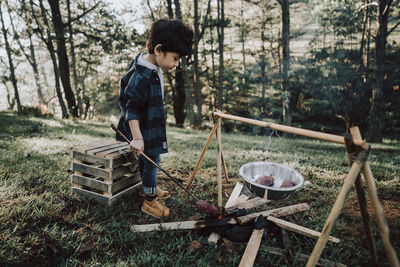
{"x":293,"y":130}
{"x":337,"y":207}
{"x":216,"y":124}
{"x":279,"y":212}
{"x":224,"y":166}
{"x":222,"y":157}
{"x":299,"y":229}
{"x":219,"y":168}
{"x":249,"y":255}
{"x":350,"y":147}
{"x":380,"y":216}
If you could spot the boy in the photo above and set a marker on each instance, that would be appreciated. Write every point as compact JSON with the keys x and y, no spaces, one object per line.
{"x":141,"y":102}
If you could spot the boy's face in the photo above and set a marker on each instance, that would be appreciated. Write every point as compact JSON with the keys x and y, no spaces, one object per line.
{"x":167,"y":60}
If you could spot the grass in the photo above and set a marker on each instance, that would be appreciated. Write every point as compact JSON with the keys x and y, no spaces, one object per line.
{"x":42,"y":222}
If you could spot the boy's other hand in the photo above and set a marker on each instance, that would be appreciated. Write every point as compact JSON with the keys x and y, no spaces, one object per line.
{"x":137,"y":145}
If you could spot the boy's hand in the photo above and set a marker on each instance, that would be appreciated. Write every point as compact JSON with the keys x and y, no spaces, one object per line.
{"x":137,"y":145}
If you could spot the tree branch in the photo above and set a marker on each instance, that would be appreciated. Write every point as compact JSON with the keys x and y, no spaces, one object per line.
{"x":392,"y":29}
{"x":205,"y":21}
{"x":82,"y":15}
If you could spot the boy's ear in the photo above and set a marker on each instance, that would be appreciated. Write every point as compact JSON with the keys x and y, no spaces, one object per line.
{"x":157,"y":50}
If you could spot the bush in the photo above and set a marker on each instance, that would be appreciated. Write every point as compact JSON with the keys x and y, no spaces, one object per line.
{"x":39,"y":111}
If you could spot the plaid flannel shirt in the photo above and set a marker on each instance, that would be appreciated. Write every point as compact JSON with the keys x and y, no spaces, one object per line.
{"x":140,"y":99}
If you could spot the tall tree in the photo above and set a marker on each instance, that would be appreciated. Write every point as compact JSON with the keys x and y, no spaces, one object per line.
{"x":197,"y":90}
{"x":377,"y":109}
{"x":182,"y":82}
{"x":42,"y":30}
{"x":10,"y":60}
{"x":220,"y":31}
{"x":287,"y":116}
{"x":4,"y":80}
{"x":63,"y":63}
{"x":73,"y":58}
{"x":31,"y":56}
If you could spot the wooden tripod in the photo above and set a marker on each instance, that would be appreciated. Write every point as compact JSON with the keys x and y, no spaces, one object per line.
{"x":357,"y":150}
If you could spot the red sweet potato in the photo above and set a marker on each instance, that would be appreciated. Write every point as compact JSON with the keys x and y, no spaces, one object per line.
{"x":287,"y":183}
{"x":265,"y":180}
{"x":209,"y":209}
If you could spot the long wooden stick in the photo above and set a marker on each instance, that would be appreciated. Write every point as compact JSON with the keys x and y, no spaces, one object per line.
{"x":219,"y":168}
{"x":249,"y":204}
{"x":380,"y":216}
{"x":279,"y":212}
{"x":235,"y":194}
{"x":293,"y":130}
{"x":249,"y":255}
{"x":201,"y":157}
{"x":350,"y":147}
{"x":155,"y":164}
{"x":336,"y":209}
{"x":224,"y":166}
{"x":185,"y":225}
{"x":299,"y":229}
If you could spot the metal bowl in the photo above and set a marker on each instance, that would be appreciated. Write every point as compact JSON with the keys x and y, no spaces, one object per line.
{"x":252,"y":170}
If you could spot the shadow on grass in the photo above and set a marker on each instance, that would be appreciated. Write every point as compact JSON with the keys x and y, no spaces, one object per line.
{"x":13,"y":125}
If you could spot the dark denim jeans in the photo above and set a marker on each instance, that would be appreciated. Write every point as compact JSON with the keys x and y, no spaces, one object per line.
{"x":148,"y":173}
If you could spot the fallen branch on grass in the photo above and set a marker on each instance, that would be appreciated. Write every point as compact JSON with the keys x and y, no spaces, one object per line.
{"x":189,"y":225}
{"x":249,"y":204}
{"x":185,"y":225}
{"x":299,"y":229}
{"x":279,"y":212}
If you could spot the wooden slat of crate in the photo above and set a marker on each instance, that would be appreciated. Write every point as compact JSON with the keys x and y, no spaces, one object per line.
{"x":110,"y":188}
{"x":106,"y":162}
{"x":116,"y":150}
{"x":109,"y":161}
{"x":89,"y":182}
{"x":110,"y":174}
{"x":97,"y":144}
{"x":101,"y":149}
{"x":106,"y":199}
{"x":125,"y":182}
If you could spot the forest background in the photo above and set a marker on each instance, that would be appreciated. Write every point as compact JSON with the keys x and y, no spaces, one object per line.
{"x":321,"y":65}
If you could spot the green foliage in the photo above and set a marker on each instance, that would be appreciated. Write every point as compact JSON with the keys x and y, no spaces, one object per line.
{"x":42,"y":222}
{"x":35,"y":111}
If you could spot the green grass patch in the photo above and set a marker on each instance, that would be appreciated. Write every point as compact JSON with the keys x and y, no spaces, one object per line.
{"x":42,"y":222}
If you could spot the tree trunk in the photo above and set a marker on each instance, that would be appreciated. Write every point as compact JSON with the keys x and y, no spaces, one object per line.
{"x":10,"y":61}
{"x":182,"y":84}
{"x":197,"y":90}
{"x":263,"y":63}
{"x":364,"y":40}
{"x":214,"y":78}
{"x":220,"y":30}
{"x":30,"y":58}
{"x":49,"y":45}
{"x":243,"y":41}
{"x":287,"y":116}
{"x":11,"y":102}
{"x":63,"y":63}
{"x":73,"y":60}
{"x":169,"y":9}
{"x":35,"y":69}
{"x":377,"y":109}
{"x":179,"y":97}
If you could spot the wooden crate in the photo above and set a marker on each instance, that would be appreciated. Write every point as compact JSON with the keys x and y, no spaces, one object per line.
{"x":102,"y":171}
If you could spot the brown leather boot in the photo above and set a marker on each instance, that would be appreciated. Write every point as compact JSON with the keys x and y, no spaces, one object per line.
{"x":155,"y":208}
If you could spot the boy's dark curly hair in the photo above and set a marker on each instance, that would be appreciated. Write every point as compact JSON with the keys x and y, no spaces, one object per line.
{"x":173,"y":35}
